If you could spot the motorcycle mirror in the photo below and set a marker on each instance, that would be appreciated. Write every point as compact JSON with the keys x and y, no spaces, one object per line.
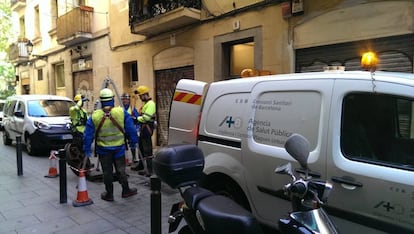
{"x":298,"y":147}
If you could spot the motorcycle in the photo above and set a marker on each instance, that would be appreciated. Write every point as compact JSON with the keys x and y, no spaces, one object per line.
{"x":181,"y":166}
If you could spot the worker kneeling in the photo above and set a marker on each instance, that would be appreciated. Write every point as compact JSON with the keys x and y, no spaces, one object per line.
{"x":109,"y":126}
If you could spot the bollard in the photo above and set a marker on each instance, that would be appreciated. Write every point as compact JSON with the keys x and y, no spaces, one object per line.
{"x":19,"y":159}
{"x":155,"y":205}
{"x":62,"y":177}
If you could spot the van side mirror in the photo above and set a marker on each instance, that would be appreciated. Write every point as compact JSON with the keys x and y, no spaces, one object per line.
{"x":19,"y":114}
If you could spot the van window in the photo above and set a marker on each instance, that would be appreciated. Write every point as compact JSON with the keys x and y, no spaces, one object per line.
{"x":9,"y":108}
{"x":20,"y":108}
{"x":48,"y":108}
{"x":378,"y":128}
{"x":280,"y":114}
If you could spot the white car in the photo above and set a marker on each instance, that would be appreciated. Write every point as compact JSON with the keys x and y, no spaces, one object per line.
{"x":42,"y":121}
{"x":1,"y":113}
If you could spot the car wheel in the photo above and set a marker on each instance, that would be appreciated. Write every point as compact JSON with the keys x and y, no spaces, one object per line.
{"x":6,"y":139}
{"x":30,"y":148}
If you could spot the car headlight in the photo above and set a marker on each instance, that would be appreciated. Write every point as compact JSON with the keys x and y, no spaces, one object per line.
{"x":41,"y":125}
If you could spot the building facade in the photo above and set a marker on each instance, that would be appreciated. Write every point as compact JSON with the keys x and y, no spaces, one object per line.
{"x":157,"y":43}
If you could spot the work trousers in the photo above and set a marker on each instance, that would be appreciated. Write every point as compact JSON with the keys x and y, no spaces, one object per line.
{"x":145,"y":146}
{"x":108,"y":162}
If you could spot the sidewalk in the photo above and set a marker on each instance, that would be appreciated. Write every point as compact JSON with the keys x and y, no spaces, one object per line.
{"x":31,"y":203}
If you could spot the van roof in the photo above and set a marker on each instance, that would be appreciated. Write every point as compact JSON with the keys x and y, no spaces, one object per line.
{"x":407,"y":78}
{"x":38,"y":96}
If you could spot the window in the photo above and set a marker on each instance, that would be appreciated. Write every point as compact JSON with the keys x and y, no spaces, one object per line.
{"x":9,"y":109}
{"x":48,"y":108}
{"x":77,"y":3}
{"x":54,"y":12}
{"x":39,"y":74}
{"x":20,"y":108}
{"x":60,"y":75}
{"x":377,"y":128}
{"x":37,"y":22}
{"x":22,"y":28}
{"x":236,"y":51}
{"x":239,"y":56}
{"x":279,"y":114}
{"x":130,"y":72}
{"x":134,"y":71}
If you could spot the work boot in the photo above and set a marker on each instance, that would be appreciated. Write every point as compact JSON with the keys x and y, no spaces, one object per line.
{"x":137,"y":166}
{"x":129,"y":193}
{"x":107,"y":196}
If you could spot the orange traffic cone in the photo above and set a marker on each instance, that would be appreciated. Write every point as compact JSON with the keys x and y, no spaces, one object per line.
{"x":82,"y":198}
{"x":52,"y":165}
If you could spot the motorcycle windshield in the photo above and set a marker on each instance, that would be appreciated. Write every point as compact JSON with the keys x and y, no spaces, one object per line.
{"x":315,"y":220}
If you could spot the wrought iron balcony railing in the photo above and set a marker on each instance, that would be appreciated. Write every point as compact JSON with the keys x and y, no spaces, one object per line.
{"x":139,"y":11}
{"x":74,"y":26}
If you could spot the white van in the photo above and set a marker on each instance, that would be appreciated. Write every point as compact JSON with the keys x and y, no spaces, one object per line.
{"x":360,"y":126}
{"x":42,"y":121}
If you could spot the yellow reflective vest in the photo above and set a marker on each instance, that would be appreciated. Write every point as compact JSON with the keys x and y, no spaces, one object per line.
{"x":109,"y":134}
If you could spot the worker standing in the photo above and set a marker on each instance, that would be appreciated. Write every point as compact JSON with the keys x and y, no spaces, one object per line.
{"x":147,"y":120}
{"x":78,"y":117}
{"x":109,"y":126}
{"x":132,"y":111}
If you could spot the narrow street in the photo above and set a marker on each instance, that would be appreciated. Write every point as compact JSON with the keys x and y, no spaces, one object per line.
{"x":30,"y":203}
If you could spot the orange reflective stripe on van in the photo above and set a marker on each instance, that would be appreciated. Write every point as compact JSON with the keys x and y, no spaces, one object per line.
{"x":187,"y":98}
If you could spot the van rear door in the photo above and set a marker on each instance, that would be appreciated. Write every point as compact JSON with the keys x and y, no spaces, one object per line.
{"x":185,"y":112}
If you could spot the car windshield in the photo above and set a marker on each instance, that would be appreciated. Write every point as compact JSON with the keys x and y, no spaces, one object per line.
{"x":49,"y":108}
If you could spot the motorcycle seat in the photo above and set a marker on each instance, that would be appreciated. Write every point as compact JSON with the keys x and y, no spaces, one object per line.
{"x":193,"y":195}
{"x":220,"y":214}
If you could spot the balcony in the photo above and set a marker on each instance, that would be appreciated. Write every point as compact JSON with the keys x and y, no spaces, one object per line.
{"x":17,"y":5}
{"x":18,"y":52}
{"x":162,"y":15}
{"x":75,"y":26}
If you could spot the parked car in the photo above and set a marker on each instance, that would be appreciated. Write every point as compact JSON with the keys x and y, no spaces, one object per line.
{"x":359,"y":125}
{"x":1,"y":113}
{"x":42,"y":121}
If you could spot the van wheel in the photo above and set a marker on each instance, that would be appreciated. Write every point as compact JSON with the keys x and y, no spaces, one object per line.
{"x":6,"y":139}
{"x":31,"y":150}
{"x":227,"y":187}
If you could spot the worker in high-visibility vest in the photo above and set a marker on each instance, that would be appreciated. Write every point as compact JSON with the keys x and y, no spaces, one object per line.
{"x":132,"y":111}
{"x":147,"y":120}
{"x":109,"y":126}
{"x":78,"y":116}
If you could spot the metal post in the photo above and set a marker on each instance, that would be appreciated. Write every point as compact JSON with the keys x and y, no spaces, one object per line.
{"x":62,"y":176}
{"x":155,"y":205}
{"x":19,"y":159}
